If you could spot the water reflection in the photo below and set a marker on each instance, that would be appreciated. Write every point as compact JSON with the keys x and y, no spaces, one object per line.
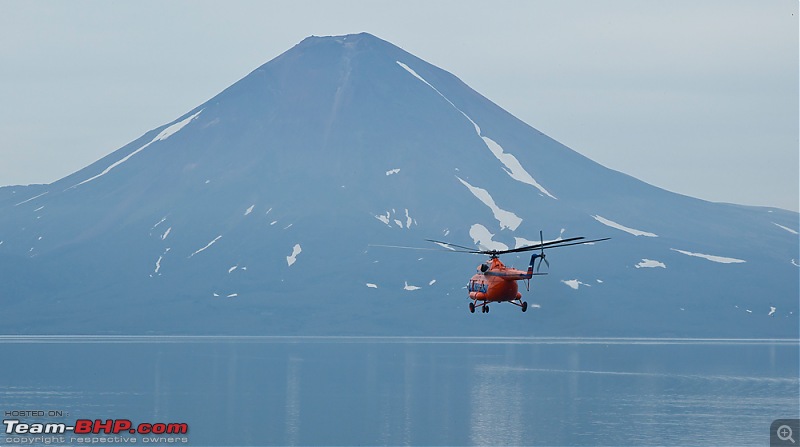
{"x":409,"y":370}
{"x":283,"y":391}
{"x":293,"y":400}
{"x":496,"y":404}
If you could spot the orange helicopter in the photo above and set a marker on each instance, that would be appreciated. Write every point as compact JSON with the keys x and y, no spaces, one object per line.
{"x":495,"y":282}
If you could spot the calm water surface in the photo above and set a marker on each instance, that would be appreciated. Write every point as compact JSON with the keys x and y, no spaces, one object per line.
{"x":251,"y":391}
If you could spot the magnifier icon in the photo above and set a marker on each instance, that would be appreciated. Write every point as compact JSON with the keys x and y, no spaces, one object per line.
{"x":784,"y":433}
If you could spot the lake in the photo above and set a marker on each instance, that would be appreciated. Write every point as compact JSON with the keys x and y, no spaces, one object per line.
{"x":253,"y":391}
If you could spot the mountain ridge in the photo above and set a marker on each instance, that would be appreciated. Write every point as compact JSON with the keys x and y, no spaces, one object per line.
{"x":343,"y":142}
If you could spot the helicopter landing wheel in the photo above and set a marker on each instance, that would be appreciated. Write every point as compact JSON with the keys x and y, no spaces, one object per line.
{"x":472,"y":308}
{"x":524,"y":306}
{"x":486,"y":308}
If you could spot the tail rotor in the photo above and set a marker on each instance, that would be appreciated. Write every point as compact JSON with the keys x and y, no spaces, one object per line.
{"x":542,"y":256}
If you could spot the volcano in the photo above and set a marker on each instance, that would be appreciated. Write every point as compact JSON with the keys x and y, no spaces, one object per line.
{"x":266,"y":210}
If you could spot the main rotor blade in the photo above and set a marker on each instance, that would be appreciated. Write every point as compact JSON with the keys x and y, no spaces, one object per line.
{"x":468,"y":249}
{"x":580,"y":243}
{"x":539,"y":246}
{"x":408,"y":248}
{"x":552,"y":244}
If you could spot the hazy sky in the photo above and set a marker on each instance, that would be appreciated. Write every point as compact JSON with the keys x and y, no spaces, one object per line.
{"x":697,"y":97}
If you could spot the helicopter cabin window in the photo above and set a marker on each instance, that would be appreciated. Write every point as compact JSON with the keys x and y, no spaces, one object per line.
{"x":475,"y":286}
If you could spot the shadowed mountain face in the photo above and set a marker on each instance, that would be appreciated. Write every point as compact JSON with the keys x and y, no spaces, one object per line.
{"x":257,"y":213}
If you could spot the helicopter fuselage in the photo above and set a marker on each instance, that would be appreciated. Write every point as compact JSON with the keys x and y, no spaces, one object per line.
{"x":495,"y":282}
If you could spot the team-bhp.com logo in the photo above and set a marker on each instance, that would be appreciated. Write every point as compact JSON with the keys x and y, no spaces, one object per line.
{"x":97,"y":431}
{"x":97,"y":426}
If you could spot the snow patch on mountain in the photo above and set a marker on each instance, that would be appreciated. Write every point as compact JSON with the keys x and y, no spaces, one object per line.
{"x":206,"y":246}
{"x":720,"y":259}
{"x":414,"y":73}
{"x":574,"y":283}
{"x":249,"y":210}
{"x":166,"y":133}
{"x":166,"y":233}
{"x":392,"y":171}
{"x":483,"y":238}
{"x":388,"y":219}
{"x":633,"y":231}
{"x":522,"y":242}
{"x":291,"y":259}
{"x":372,"y":286}
{"x":410,"y":287}
{"x":785,"y":228}
{"x":173,"y":129}
{"x":512,"y":166}
{"x":159,"y":222}
{"x":34,"y":197}
{"x":649,"y":263}
{"x":158,"y":261}
{"x":443,"y":245}
{"x":507,"y":219}
{"x":384,"y":219}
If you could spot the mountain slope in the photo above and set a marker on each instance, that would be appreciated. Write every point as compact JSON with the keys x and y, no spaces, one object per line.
{"x":259,"y":211}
